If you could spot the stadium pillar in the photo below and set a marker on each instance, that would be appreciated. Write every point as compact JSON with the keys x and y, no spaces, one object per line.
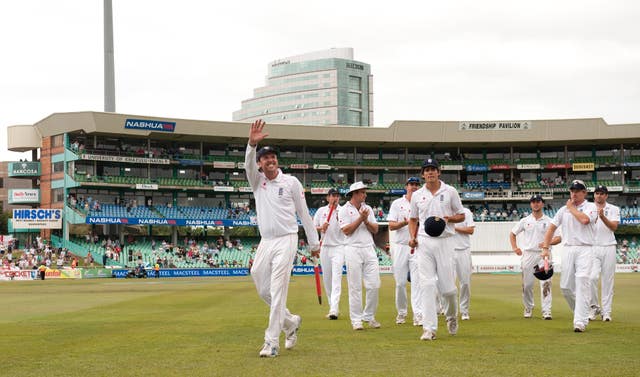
{"x":174,"y":235}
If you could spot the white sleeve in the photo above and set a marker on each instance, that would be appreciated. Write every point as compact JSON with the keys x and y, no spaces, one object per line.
{"x":518,"y":227}
{"x":456,"y":203}
{"x":317,"y":219}
{"x":393,"y":212}
{"x":251,"y":167}
{"x":303,"y":213}
{"x":414,"y":207}
{"x":557,"y":219}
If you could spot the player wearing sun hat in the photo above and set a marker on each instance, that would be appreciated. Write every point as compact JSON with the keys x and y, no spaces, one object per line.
{"x":359,"y":224}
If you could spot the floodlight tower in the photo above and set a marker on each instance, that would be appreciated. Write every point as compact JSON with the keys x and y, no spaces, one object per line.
{"x":109,"y":69}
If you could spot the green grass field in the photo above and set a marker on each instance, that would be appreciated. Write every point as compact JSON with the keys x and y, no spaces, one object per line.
{"x":215,"y":327}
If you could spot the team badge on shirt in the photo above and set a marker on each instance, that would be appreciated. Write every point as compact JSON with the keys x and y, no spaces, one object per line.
{"x":280,"y":191}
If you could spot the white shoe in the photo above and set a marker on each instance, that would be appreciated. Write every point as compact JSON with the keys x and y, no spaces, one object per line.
{"x":374,"y":324}
{"x":547,"y":316}
{"x":333,"y":316}
{"x":593,"y":312}
{"x":527,"y":312}
{"x":606,"y":317}
{"x":579,"y":328}
{"x":357,"y":326}
{"x":292,"y":335}
{"x":269,"y":350}
{"x":417,"y":320}
{"x":464,"y":316}
{"x":452,"y":326}
{"x":428,"y":335}
{"x":400,"y":319}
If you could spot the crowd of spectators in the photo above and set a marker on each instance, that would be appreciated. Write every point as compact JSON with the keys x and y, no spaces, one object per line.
{"x":38,"y":252}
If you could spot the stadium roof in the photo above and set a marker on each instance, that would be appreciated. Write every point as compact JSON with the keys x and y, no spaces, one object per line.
{"x":403,"y":133}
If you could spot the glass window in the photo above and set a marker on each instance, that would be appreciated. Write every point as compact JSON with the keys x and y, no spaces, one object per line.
{"x":57,"y":140}
{"x":57,"y":195}
{"x":58,"y":167}
{"x":354,"y":118}
{"x":354,"y":100}
{"x":355,"y":83}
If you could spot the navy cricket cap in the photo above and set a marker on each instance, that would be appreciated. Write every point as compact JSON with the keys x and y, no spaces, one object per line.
{"x":577,"y":184}
{"x":430,"y":163}
{"x":541,"y":274}
{"x":602,"y":188}
{"x":434,"y":226}
{"x":265,"y":150}
{"x":333,"y":191}
{"x":413,"y":180}
{"x":536,"y":198}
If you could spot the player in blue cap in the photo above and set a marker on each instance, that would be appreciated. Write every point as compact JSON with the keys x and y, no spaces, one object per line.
{"x":435,"y":264}
{"x":530,"y":231}
{"x":403,"y":257}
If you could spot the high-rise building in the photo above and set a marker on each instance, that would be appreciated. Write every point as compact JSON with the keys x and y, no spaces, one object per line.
{"x":319,"y":88}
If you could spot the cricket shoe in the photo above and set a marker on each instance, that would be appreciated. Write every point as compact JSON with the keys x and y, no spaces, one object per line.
{"x":578,"y":328}
{"x":400,"y":319}
{"x":593,"y":312}
{"x":547,"y":316}
{"x":452,"y":326}
{"x":374,"y":324}
{"x":428,"y":335}
{"x":357,"y":326}
{"x":292,"y":335}
{"x":606,"y":317}
{"x":417,"y":320}
{"x":527,"y":312}
{"x":332,"y":316}
{"x":269,"y":350}
{"x":464,"y":316}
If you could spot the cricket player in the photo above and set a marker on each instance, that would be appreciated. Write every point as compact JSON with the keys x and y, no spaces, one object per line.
{"x":331,"y":250}
{"x":531,"y":231}
{"x":435,"y":254}
{"x":279,"y":197}
{"x":577,"y":219}
{"x":604,"y":254}
{"x":462,"y":260}
{"x":359,"y":224}
{"x":404,"y":258}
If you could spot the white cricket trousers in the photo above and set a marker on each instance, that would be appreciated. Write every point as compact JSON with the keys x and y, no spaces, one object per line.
{"x":575,"y":283}
{"x":462,"y":261}
{"x":270,"y":272}
{"x":604,"y":262}
{"x":332,"y":260}
{"x":436,"y":270}
{"x":529,"y":260}
{"x":362,"y":267}
{"x":405,"y":263}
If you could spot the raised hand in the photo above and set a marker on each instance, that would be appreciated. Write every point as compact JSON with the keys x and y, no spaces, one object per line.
{"x":255,"y":132}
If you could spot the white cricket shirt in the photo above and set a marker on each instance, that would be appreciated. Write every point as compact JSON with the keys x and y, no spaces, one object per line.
{"x":445,"y":202}
{"x":361,"y":237}
{"x":603,"y":235}
{"x":575,"y":233}
{"x":333,"y":236}
{"x":462,"y":241}
{"x":399,"y":211}
{"x":278,"y":201}
{"x":532,"y":231}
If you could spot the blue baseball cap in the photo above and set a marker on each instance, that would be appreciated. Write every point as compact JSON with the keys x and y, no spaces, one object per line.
{"x":413,"y":180}
{"x":430,"y":163}
{"x":265,"y":150}
{"x":536,"y":198}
